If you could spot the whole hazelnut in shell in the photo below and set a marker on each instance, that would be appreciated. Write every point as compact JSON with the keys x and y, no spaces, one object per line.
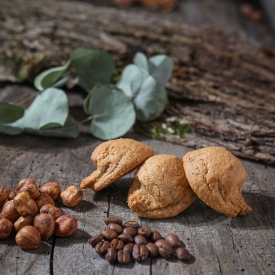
{"x":72,"y":196}
{"x":52,"y":210}
{"x":52,"y":189}
{"x":12,"y":194}
{"x":4,"y":194}
{"x":23,"y":221}
{"x":28,"y":237}
{"x":25,"y":205}
{"x":6,"y":227}
{"x":28,"y":185}
{"x":44,"y":223}
{"x":44,"y":199}
{"x":65,"y":226}
{"x":9,"y":212}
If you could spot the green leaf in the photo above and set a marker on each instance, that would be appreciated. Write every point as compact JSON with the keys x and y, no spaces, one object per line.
{"x":113,"y":112}
{"x":141,"y":61}
{"x":92,"y":67}
{"x":47,"y":78}
{"x":161,"y":67}
{"x":10,"y":112}
{"x":61,"y":82}
{"x":10,"y":130}
{"x":129,"y":73}
{"x":50,"y":107}
{"x":151,"y":100}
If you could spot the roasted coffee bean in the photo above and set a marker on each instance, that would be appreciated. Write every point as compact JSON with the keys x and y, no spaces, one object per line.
{"x":139,"y":239}
{"x":112,"y":220}
{"x":173,"y":239}
{"x":130,"y":230}
{"x":128,"y":247}
{"x":108,"y":234}
{"x":111,"y":255}
{"x":102,"y":247}
{"x":115,"y":227}
{"x":123,"y":257}
{"x":183,"y":254}
{"x":126,"y":238}
{"x":145,"y":231}
{"x":155,"y":236}
{"x":153,"y":249}
{"x":140,"y":252}
{"x":134,"y":224}
{"x":165,"y":249}
{"x":117,"y":244}
{"x":96,"y":239}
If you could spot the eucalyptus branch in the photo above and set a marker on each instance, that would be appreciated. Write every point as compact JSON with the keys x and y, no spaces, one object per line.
{"x":28,"y":98}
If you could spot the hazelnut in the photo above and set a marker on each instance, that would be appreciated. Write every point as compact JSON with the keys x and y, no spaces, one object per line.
{"x":52,"y":210}
{"x":28,"y":237}
{"x":23,"y":221}
{"x":44,"y":223}
{"x":65,"y":226}
{"x":9,"y":212}
{"x":44,"y":199}
{"x":4,"y":194}
{"x":52,"y":189}
{"x":6,"y":227}
{"x":28,"y":185}
{"x":12,"y":194}
{"x":72,"y":196}
{"x":25,"y":205}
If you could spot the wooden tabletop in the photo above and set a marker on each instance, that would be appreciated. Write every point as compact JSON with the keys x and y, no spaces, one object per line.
{"x":219,"y":244}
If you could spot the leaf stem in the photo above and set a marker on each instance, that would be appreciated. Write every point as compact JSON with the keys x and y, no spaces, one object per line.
{"x":86,"y":120}
{"x":27,"y":98}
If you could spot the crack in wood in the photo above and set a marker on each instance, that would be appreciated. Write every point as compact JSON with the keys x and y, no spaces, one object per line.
{"x":52,"y":255}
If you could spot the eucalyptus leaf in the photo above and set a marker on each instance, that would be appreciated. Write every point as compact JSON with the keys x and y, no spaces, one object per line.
{"x":10,"y":130}
{"x":113,"y":112}
{"x":129,"y":73}
{"x":49,"y":107}
{"x":141,"y":61}
{"x":10,"y":112}
{"x":61,"y":82}
{"x":92,"y":67}
{"x":48,"y":78}
{"x":161,"y":67}
{"x":151,"y":100}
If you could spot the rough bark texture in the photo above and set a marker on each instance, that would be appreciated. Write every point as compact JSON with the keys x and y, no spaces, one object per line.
{"x":222,"y":86}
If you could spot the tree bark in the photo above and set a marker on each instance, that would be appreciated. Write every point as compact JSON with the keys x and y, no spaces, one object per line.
{"x":222,"y":86}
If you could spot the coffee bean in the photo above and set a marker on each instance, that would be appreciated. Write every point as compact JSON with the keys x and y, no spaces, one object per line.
{"x":117,"y":244}
{"x":173,"y":239}
{"x":115,"y":227}
{"x":183,"y":254}
{"x":165,"y":249}
{"x":123,"y":257}
{"x":102,"y":247}
{"x":111,"y":255}
{"x":134,"y":224}
{"x":126,"y":238}
{"x":153,"y":249}
{"x":128,"y":247}
{"x":140,"y":252}
{"x":96,"y":239}
{"x":139,"y":239}
{"x":112,"y":220}
{"x":108,"y":234}
{"x":130,"y":230}
{"x":145,"y":231}
{"x":155,"y":236}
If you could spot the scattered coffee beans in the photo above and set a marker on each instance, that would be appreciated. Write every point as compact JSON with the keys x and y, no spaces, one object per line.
{"x":120,"y":242}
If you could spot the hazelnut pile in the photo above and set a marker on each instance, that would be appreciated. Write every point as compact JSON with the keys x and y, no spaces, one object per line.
{"x":121,"y":242}
{"x":32,"y":213}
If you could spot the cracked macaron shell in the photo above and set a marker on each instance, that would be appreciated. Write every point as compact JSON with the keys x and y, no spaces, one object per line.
{"x":217,"y":177}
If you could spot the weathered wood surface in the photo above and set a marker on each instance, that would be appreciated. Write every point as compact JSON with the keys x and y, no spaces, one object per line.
{"x":219,"y":244}
{"x":222,"y":86}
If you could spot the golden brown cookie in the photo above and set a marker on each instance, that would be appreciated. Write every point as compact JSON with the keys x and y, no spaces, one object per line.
{"x":217,"y":177}
{"x":160,"y":188}
{"x":114,"y":159}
